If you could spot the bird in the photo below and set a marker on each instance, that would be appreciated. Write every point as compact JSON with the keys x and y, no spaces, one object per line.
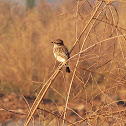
{"x":61,"y":53}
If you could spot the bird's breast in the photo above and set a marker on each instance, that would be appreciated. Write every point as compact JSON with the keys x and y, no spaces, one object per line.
{"x":59,"y":58}
{"x":59,"y":55}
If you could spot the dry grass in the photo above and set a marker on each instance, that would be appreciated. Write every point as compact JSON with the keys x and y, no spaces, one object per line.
{"x":94,"y":33}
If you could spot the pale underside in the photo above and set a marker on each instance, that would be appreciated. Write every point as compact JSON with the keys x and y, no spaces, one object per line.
{"x":59,"y":58}
{"x":61,"y":53}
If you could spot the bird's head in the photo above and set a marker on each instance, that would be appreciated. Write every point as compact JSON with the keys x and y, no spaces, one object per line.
{"x":58,"y":42}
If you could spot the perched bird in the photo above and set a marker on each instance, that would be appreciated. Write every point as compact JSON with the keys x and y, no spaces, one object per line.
{"x":61,"y":52}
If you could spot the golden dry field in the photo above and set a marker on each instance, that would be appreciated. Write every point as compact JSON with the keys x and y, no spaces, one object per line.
{"x":34,"y":87}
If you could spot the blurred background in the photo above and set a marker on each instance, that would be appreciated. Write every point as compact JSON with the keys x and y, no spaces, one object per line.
{"x":26,"y":60}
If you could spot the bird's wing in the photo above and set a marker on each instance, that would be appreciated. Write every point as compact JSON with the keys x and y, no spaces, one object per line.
{"x":63,"y":52}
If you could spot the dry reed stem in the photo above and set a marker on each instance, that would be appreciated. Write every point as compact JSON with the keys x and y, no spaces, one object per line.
{"x":121,"y":52}
{"x":96,"y":44}
{"x":120,"y":80}
{"x":40,"y":95}
{"x":13,"y":111}
{"x":22,"y":113}
{"x":50,"y":87}
{"x":67,"y":100}
{"x":97,"y":113}
{"x":103,"y":92}
{"x":56,"y":115}
{"x":76,"y":42}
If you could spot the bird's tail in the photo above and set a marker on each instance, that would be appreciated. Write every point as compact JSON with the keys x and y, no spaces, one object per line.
{"x":67,"y":69}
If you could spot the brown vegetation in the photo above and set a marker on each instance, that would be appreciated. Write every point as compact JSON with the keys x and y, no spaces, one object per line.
{"x":95,"y":88}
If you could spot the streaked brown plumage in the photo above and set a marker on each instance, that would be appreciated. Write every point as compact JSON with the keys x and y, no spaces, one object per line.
{"x":61,"y":53}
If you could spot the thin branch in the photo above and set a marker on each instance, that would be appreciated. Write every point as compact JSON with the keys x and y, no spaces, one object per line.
{"x":80,"y":51}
